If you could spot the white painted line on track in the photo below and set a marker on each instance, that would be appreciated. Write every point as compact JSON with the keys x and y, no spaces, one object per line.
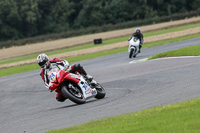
{"x":178,"y":57}
{"x":165,"y":58}
{"x":136,"y":61}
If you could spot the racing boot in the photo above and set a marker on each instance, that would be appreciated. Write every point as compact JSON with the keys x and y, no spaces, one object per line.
{"x":60,"y":97}
{"x":93,"y":82}
{"x":90,"y":78}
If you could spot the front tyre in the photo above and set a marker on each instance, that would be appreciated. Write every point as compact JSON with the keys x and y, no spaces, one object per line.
{"x":100,"y":91}
{"x":74,"y":93}
{"x":131,"y":53}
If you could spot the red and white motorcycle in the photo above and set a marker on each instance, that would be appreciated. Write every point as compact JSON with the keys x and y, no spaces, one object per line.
{"x":75,"y":87}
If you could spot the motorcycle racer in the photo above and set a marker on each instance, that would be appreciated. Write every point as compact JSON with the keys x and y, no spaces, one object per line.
{"x":58,"y":64}
{"x":139,"y":35}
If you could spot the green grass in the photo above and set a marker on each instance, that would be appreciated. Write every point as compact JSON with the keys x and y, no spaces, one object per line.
{"x":31,"y":67}
{"x":106,"y":42}
{"x":173,"y":29}
{"x":187,"y":51}
{"x":182,"y":117}
{"x":18,"y":69}
{"x":170,"y":41}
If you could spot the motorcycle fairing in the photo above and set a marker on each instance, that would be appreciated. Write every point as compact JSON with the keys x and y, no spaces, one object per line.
{"x":57,"y":77}
{"x":72,"y":77}
{"x":133,"y":42}
{"x":88,"y":92}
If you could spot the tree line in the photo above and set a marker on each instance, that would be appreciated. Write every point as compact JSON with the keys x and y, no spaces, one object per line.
{"x":27,"y":18}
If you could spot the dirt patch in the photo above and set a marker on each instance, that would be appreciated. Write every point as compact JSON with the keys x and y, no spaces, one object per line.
{"x":111,"y":46}
{"x":28,"y":49}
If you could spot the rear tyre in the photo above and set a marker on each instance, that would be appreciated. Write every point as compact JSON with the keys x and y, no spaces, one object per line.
{"x":131,"y":53}
{"x":100,"y":91}
{"x":74,"y":93}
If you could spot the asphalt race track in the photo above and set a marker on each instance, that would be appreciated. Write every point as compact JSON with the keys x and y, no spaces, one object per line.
{"x":27,"y":106}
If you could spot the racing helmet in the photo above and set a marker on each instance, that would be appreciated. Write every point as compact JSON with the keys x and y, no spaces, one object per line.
{"x":43,"y":61}
{"x":137,"y":30}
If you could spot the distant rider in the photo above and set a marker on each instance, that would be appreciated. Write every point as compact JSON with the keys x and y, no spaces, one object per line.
{"x":58,"y":64}
{"x":139,"y":35}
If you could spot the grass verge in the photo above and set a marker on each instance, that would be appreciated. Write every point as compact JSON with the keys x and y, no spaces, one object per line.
{"x":187,"y":51}
{"x":176,"y":118}
{"x":110,"y":41}
{"x":31,"y":67}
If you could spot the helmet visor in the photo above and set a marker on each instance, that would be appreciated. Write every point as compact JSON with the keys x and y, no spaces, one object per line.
{"x":42,"y":64}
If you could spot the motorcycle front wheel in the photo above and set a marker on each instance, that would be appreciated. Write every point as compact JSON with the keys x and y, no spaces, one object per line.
{"x":100,"y":91}
{"x":131,"y":53}
{"x":74,"y":93}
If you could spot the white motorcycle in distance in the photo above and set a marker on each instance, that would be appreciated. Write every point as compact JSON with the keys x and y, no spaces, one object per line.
{"x":133,"y":47}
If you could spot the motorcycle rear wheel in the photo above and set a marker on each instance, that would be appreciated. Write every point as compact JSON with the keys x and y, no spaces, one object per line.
{"x":100,"y":91}
{"x":74,"y":94}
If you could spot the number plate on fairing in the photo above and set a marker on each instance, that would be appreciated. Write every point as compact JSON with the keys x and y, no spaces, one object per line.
{"x":87,"y":89}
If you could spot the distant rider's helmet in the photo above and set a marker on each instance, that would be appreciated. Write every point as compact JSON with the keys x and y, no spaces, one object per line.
{"x":43,"y":61}
{"x":138,"y":31}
